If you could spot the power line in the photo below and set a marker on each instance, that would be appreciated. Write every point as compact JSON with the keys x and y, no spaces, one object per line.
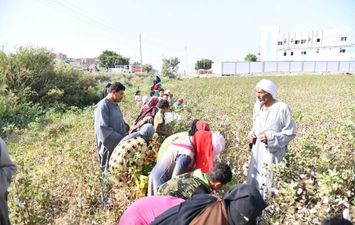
{"x":86,"y":17}
{"x":81,"y":17}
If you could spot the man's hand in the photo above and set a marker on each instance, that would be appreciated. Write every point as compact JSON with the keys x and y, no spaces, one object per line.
{"x":263,"y":138}
{"x":251,"y":138}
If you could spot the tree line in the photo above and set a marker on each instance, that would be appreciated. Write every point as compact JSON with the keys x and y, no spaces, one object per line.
{"x":109,"y":59}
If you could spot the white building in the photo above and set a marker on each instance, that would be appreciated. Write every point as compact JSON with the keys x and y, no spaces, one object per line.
{"x":315,"y":45}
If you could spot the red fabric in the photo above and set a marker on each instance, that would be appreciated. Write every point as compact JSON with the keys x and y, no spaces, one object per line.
{"x":156,"y":87}
{"x":204,"y":150}
{"x":202,"y":125}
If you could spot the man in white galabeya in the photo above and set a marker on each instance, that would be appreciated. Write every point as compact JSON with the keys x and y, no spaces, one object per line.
{"x":273,"y":128}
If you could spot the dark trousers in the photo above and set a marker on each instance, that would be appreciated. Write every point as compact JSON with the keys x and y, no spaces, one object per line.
{"x":4,"y":211}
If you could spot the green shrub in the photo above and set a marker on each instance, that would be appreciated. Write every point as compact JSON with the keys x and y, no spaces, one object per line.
{"x":28,"y":72}
{"x":30,"y":75}
{"x":14,"y":114}
{"x":72,"y":87}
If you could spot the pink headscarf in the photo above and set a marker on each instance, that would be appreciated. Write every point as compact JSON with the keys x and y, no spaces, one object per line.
{"x":202,"y":125}
{"x":180,"y":100}
{"x":152,"y":103}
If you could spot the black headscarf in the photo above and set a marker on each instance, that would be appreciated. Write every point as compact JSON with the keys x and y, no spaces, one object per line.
{"x":157,"y":79}
{"x":243,"y":205}
{"x":185,"y":212}
{"x":193,"y":128}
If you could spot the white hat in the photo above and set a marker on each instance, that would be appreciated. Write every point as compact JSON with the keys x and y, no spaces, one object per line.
{"x":145,"y":99}
{"x":268,"y":86}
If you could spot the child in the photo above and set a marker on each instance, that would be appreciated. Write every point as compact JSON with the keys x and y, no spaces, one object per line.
{"x":159,"y":122}
{"x":168,"y":95}
{"x":187,"y":184}
{"x":138,"y":97}
{"x":161,"y":94}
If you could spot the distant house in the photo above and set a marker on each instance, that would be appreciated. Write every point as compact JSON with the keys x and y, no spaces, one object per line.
{"x":86,"y":64}
{"x":74,"y":62}
{"x":121,"y":69}
{"x":60,"y":56}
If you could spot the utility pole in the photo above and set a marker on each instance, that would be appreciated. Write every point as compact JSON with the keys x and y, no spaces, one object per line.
{"x":187,"y":65}
{"x":140,"y":50}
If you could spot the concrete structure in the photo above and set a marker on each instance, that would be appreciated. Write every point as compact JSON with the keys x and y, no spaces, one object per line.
{"x":242,"y":67}
{"x":316,"y":45}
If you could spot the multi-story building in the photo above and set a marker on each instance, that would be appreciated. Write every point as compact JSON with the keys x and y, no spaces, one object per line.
{"x":60,"y":56}
{"x":315,"y":45}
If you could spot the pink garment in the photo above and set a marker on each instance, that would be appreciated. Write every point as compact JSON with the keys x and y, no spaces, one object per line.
{"x":202,"y":125}
{"x":144,"y":210}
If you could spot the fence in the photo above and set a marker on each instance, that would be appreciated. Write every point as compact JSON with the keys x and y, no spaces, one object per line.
{"x":235,"y":68}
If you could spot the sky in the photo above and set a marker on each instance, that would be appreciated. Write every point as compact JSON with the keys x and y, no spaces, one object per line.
{"x":223,"y":30}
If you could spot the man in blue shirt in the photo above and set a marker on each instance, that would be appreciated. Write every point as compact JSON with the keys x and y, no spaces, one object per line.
{"x":110,"y":127}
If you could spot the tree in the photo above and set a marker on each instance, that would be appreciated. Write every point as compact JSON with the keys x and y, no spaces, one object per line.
{"x":170,"y":67}
{"x":136,"y":65}
{"x":28,"y":72}
{"x":251,"y":58}
{"x":147,"y":68}
{"x":205,"y":64}
{"x":108,"y":59}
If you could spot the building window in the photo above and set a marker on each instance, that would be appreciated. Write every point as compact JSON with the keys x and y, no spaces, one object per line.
{"x":317,"y":51}
{"x":303,"y":41}
{"x":279,"y":43}
{"x":297,"y":42}
{"x":318,"y":39}
{"x":285,"y":41}
{"x":291,"y":53}
{"x":303,"y":53}
{"x":342,"y":50}
{"x":343,"y":39}
{"x":285,"y":53}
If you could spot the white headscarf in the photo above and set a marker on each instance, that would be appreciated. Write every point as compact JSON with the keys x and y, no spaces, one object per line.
{"x":218,"y":143}
{"x":145,"y":99}
{"x":268,"y":86}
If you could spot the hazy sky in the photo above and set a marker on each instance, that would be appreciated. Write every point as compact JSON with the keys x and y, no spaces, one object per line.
{"x":189,"y":29}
